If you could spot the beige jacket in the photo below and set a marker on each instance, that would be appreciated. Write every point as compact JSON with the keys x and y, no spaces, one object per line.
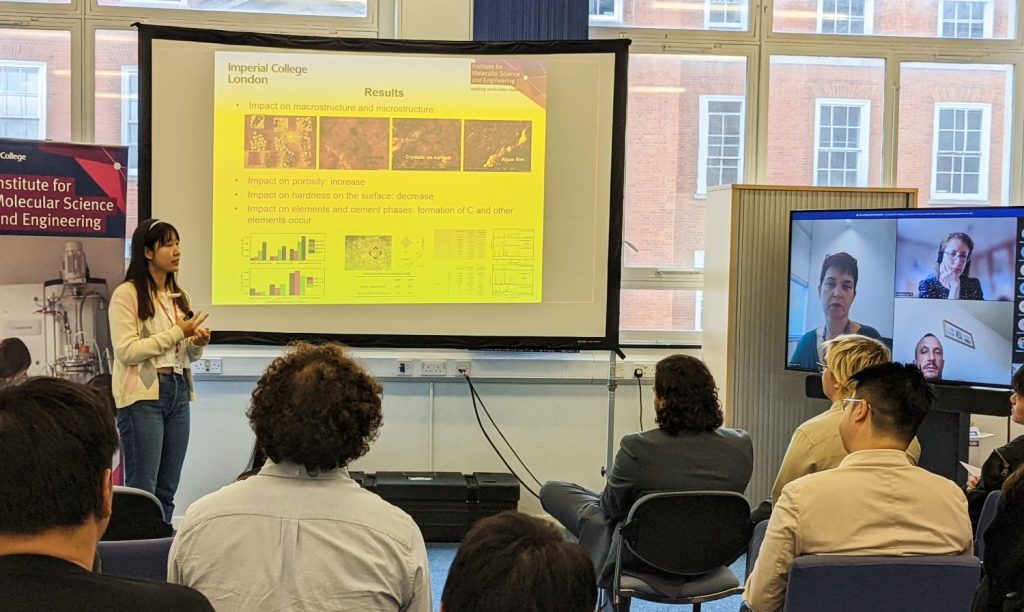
{"x":137,"y":343}
{"x":874,"y":503}
{"x":816,"y":447}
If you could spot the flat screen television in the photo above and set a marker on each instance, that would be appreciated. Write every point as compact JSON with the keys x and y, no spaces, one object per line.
{"x":942,"y":287}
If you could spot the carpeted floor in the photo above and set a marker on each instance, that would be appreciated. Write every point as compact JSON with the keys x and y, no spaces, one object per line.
{"x":440,"y":557}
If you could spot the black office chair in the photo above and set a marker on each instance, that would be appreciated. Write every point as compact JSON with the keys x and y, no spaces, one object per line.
{"x":136,"y":515}
{"x":676,"y":548}
{"x":146,"y":559}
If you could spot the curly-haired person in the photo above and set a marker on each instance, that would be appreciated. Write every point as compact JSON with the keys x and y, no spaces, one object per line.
{"x":688,"y":451}
{"x":301,"y":534}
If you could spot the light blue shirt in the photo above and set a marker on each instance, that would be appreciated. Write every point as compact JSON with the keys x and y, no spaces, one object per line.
{"x":283,"y":540}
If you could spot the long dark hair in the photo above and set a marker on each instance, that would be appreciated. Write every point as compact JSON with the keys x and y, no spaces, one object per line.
{"x":689,"y":394}
{"x":148,"y":235}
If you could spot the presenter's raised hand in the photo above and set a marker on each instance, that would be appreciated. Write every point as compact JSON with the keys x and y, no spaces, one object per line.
{"x":189,"y":325}
{"x":202,"y":337}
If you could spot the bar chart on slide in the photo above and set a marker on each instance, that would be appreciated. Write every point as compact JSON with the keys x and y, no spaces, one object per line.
{"x":275,"y":248}
{"x":284,"y":282}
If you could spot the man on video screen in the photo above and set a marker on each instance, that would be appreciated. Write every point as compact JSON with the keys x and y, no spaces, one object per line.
{"x":929,"y":357}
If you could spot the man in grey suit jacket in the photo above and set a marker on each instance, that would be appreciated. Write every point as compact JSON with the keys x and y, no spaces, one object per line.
{"x":689,"y":451}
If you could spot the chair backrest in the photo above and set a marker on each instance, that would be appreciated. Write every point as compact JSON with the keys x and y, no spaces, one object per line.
{"x":136,"y":515}
{"x":988,"y":513}
{"x":895,"y":584}
{"x":145,"y":559}
{"x":688,"y":533}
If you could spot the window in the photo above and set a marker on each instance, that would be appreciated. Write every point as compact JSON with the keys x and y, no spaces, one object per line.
{"x":322,"y":8}
{"x":23,"y":99}
{"x":961,"y":151}
{"x":845,"y":16}
{"x":721,"y":142}
{"x":130,"y":116}
{"x":840,"y":148}
{"x":606,"y":10}
{"x":725,"y":14}
{"x":993,"y":19}
{"x":813,"y":138}
{"x":965,"y":19}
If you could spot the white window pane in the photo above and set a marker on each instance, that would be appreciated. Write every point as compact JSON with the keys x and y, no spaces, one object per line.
{"x":35,"y":82}
{"x":936,"y":18}
{"x":968,"y":162}
{"x":795,"y":156}
{"x":322,"y":8}
{"x":669,"y":159}
{"x":658,"y":310}
{"x":730,"y":15}
{"x":117,"y":104}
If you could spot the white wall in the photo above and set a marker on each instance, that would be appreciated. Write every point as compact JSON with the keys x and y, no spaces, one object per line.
{"x":553,"y":408}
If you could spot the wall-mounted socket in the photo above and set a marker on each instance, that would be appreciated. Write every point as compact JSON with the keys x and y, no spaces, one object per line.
{"x":406,"y":367}
{"x":206,"y":365}
{"x":433,"y":367}
{"x":627,"y":370}
{"x":461,"y":368}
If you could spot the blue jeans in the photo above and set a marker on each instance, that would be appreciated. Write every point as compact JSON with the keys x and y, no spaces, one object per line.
{"x":155,"y":435}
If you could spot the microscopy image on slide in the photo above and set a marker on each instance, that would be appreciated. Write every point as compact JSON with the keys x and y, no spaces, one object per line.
{"x":426,"y":144}
{"x":367,"y":253}
{"x":498,"y":146}
{"x":274,"y":141}
{"x":353,"y":143}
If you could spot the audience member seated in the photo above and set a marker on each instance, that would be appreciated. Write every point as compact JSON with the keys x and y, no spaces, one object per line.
{"x":15,"y":360}
{"x":56,"y":442}
{"x":1004,"y":460}
{"x":301,"y":534}
{"x":688,"y":451}
{"x":875,"y":502}
{"x":1002,"y":588}
{"x":517,"y":563}
{"x":816,"y":445}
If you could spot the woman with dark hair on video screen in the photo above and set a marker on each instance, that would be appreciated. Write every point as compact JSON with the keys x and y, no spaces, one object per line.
{"x":952,"y":266}
{"x":837,"y":288}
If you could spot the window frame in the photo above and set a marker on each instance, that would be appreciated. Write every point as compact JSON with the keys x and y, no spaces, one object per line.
{"x":985,"y":154}
{"x":709,"y":25}
{"x":41,"y":93}
{"x":615,"y":18}
{"x":128,"y":71}
{"x":869,"y":20}
{"x":703,"y":137}
{"x":863,"y":157}
{"x":986,"y":26}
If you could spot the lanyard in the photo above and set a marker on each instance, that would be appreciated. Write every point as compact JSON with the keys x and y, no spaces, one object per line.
{"x":174,"y":306}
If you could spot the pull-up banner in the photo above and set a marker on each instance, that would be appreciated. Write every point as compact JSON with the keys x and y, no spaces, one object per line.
{"x":62,"y":189}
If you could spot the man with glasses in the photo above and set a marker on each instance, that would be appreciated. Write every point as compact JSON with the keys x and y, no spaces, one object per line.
{"x":816,"y":445}
{"x":952,"y":280}
{"x":876,"y":502}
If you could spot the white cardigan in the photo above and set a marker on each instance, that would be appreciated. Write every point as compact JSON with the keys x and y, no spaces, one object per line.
{"x":137,"y":343}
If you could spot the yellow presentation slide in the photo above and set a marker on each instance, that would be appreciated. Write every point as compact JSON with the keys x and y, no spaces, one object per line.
{"x":398,"y":179}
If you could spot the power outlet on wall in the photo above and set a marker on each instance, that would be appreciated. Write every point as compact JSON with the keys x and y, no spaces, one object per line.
{"x":433,"y":367}
{"x":206,"y":365}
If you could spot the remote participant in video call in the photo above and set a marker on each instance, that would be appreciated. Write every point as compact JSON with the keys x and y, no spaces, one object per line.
{"x":929,"y":357}
{"x":837,"y":288}
{"x":951,"y":280}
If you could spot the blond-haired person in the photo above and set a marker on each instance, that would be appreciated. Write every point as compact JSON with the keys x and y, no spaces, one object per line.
{"x":816,"y":445}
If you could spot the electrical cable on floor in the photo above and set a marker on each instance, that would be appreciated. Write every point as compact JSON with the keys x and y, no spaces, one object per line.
{"x":640,"y":396}
{"x":476,"y":412}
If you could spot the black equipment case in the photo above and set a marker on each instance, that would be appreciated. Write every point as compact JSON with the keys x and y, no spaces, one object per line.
{"x":444,"y":504}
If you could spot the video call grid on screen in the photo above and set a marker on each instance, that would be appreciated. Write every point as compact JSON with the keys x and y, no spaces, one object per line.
{"x":943,"y":288}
